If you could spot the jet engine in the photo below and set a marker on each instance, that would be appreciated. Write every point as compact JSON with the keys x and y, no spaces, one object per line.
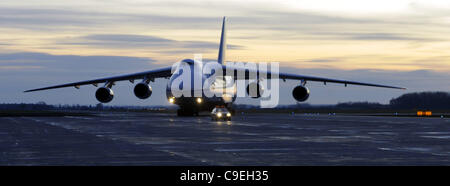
{"x":300,"y":93}
{"x":142,"y":90}
{"x":255,"y":90}
{"x":104,"y":94}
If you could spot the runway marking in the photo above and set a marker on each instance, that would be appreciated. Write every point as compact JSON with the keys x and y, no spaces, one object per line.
{"x":334,"y":139}
{"x":437,"y":137}
{"x":253,"y":150}
{"x":187,"y":156}
{"x":78,"y":117}
{"x":383,"y":133}
{"x":431,"y":133}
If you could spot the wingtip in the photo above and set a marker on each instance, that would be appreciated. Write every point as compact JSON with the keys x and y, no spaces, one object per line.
{"x":400,"y":88}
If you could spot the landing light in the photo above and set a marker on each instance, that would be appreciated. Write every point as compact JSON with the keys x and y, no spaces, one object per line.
{"x":199,"y":100}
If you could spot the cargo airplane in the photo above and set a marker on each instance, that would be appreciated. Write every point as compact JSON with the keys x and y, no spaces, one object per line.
{"x":189,"y":106}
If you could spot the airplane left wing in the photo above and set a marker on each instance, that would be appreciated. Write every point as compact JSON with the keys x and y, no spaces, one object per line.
{"x":158,"y":73}
{"x":304,"y":78}
{"x":325,"y":80}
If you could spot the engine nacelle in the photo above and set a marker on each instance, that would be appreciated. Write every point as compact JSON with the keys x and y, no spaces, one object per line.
{"x":104,"y":94}
{"x":255,"y":90}
{"x":300,"y":93}
{"x":142,"y":90}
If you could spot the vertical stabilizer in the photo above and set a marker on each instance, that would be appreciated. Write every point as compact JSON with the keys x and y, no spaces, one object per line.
{"x":223,"y":43}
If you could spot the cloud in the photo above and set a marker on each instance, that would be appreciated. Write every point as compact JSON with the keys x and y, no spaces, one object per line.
{"x":127,"y":38}
{"x":281,"y":19}
{"x":271,"y":30}
{"x":43,"y":19}
{"x":154,"y":15}
{"x":129,"y":41}
{"x":118,"y":41}
{"x":383,"y":37}
{"x":286,"y":24}
{"x":61,"y":19}
{"x":363,"y":36}
{"x":323,"y":60}
{"x":16,"y":67}
{"x":72,"y":63}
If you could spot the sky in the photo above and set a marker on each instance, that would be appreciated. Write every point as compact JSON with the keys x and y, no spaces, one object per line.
{"x":46,"y":42}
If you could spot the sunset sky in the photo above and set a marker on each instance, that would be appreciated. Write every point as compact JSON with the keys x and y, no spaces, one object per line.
{"x":401,"y":42}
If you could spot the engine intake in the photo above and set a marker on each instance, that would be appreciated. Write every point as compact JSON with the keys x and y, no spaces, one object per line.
{"x":104,"y":94}
{"x":300,"y":93}
{"x":142,"y":90}
{"x":255,"y":90}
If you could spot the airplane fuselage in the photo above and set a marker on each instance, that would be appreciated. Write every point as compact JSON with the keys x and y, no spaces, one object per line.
{"x":198,"y":94}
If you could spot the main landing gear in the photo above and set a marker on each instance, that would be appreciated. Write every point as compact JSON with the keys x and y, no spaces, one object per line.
{"x":187,"y":112}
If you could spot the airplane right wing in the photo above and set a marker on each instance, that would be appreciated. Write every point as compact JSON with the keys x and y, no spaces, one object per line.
{"x":158,"y":73}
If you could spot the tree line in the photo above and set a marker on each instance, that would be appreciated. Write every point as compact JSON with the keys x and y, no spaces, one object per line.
{"x":416,"y":100}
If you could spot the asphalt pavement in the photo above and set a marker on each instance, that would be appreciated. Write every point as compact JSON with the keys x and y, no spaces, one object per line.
{"x":251,"y":139}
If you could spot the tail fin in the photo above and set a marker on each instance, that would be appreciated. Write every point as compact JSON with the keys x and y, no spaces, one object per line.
{"x":223,"y":43}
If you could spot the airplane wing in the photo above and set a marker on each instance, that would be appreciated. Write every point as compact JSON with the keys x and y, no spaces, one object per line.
{"x":158,"y":73}
{"x":325,"y":80}
{"x":304,"y":78}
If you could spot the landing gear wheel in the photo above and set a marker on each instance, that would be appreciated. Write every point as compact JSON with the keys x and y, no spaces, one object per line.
{"x":186,"y":112}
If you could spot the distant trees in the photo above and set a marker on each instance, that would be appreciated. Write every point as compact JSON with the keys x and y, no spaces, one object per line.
{"x":418,"y":100}
{"x":422,"y":100}
{"x":361,"y":105}
{"x":24,"y":106}
{"x":98,"y":107}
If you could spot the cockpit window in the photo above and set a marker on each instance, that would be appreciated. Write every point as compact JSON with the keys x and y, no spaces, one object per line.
{"x":190,"y":61}
{"x":223,"y":82}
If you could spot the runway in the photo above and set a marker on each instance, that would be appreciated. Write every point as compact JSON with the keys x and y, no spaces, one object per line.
{"x":249,"y":139}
